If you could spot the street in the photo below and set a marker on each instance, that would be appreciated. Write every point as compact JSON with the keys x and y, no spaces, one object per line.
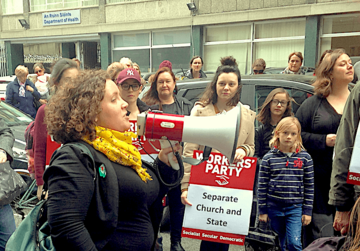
{"x":187,"y":243}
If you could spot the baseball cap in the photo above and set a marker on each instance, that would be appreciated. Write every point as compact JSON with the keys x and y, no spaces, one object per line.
{"x":128,"y":73}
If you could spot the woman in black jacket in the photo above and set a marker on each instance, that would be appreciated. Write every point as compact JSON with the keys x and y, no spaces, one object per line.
{"x":320,"y":117}
{"x":161,"y":96}
{"x":113,"y":202}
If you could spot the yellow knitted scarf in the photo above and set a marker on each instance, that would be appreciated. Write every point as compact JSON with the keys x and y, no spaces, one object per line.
{"x":117,"y":146}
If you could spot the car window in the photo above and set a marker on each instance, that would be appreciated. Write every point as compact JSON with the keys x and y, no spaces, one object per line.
{"x":261,"y":93}
{"x":194,"y":95}
{"x":12,"y":117}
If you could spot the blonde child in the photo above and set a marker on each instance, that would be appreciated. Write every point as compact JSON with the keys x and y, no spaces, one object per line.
{"x":286,"y":184}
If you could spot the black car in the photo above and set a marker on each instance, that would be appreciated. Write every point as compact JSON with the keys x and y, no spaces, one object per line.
{"x":17,"y":121}
{"x":255,"y":88}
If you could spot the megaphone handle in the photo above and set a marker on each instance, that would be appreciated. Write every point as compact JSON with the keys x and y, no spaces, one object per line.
{"x":165,"y":144}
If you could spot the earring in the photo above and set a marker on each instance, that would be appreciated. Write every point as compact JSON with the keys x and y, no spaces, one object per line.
{"x":96,"y":120}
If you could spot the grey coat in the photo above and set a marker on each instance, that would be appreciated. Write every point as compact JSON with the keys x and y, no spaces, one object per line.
{"x":6,"y":139}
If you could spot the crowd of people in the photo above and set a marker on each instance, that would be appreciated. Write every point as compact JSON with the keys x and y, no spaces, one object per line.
{"x":114,"y":202}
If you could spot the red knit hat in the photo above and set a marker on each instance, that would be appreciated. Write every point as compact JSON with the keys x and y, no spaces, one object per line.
{"x":166,"y":63}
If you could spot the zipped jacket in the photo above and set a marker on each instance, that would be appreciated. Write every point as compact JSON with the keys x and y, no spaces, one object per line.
{"x":286,"y":180}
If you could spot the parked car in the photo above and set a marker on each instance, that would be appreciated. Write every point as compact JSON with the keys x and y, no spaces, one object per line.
{"x":3,"y":83}
{"x":17,"y":121}
{"x":255,"y":88}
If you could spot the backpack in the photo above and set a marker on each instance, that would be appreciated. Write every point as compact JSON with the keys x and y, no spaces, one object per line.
{"x":29,"y":142}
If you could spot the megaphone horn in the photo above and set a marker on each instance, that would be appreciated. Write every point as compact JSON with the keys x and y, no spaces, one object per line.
{"x":220,"y":132}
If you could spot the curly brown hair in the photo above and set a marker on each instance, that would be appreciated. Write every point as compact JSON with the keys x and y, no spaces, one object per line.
{"x":71,"y":112}
{"x":264,"y":115}
{"x":322,"y":83}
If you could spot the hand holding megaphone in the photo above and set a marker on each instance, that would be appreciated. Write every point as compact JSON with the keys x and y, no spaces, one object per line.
{"x":167,"y":156}
{"x":171,"y":157}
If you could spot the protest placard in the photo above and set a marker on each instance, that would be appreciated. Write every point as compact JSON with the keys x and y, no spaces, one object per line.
{"x":354,"y":168}
{"x":221,"y":197}
{"x":144,"y":146}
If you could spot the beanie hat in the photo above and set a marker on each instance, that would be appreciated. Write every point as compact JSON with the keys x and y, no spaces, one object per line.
{"x":166,"y":63}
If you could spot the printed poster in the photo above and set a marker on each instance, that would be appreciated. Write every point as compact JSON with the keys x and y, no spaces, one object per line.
{"x":221,"y":197}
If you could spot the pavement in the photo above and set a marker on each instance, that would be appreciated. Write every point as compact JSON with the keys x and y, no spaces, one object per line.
{"x":191,"y":244}
{"x":187,"y":243}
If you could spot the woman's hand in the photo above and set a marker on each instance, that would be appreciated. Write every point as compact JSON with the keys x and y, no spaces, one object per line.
{"x":163,"y":154}
{"x":330,"y":140}
{"x":305,"y":219}
{"x":184,"y":199}
{"x":29,"y":88}
{"x":3,"y":156}
{"x":239,"y":155}
{"x":263,"y":217}
{"x":341,"y":221}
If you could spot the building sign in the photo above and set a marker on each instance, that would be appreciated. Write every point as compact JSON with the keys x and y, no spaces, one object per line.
{"x":144,"y":146}
{"x":61,"y":17}
{"x":221,"y":197}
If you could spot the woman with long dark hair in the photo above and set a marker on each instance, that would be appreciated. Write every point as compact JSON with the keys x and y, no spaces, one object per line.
{"x":222,"y":94}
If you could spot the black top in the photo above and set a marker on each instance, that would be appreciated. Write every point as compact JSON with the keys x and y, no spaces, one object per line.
{"x":318,"y":118}
{"x":134,"y":230}
{"x":87,"y":211}
{"x":181,"y":106}
{"x":263,"y":135}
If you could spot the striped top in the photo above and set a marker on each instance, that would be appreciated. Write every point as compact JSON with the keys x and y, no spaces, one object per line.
{"x":286,"y":180}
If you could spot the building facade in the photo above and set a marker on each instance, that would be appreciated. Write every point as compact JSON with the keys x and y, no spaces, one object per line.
{"x":99,"y":32}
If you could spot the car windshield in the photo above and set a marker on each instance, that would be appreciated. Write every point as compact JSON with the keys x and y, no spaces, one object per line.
{"x":12,"y":116}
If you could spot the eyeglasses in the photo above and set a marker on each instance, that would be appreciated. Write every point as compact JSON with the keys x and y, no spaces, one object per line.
{"x":39,"y":71}
{"x":281,"y":102}
{"x":258,"y":71}
{"x":126,"y":87}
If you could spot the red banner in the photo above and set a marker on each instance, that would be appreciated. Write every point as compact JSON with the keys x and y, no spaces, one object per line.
{"x":144,"y":142}
{"x":234,"y":239}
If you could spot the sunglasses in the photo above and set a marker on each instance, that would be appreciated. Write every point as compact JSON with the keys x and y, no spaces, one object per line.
{"x":126,"y":87}
{"x":39,"y":71}
{"x":258,"y":71}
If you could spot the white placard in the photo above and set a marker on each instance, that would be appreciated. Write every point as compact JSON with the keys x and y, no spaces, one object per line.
{"x":61,"y":17}
{"x":230,"y":208}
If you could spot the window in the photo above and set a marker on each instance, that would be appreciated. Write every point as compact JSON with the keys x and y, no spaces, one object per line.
{"x":41,"y":5}
{"x":341,"y":31}
{"x":12,"y":7}
{"x":272,"y":41}
{"x":150,"y":49}
{"x":232,"y":40}
{"x":122,"y":1}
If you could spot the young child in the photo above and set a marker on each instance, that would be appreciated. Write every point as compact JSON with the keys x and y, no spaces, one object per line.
{"x":286,"y":184}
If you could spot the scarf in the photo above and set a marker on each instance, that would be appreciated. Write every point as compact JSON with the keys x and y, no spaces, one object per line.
{"x":301,"y":71}
{"x":21,"y":89}
{"x":117,"y":146}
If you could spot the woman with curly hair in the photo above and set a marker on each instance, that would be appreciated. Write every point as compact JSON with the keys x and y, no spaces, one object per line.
{"x":320,"y":117}
{"x":112,"y":202}
{"x":222,"y":94}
